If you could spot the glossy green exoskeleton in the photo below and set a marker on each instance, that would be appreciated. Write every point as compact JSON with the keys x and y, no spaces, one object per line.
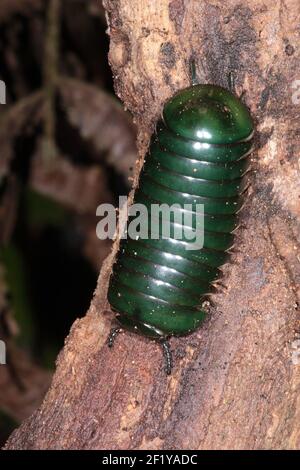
{"x":198,"y":155}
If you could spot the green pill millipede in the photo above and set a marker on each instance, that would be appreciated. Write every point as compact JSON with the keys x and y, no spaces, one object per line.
{"x":198,"y":155}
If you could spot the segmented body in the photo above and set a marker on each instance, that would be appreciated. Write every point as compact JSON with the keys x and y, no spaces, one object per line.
{"x":198,"y":155}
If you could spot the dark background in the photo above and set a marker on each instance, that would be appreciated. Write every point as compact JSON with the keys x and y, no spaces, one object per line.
{"x":66,"y":146}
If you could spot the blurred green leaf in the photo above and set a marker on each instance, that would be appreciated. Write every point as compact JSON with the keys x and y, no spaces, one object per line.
{"x":42,"y":210}
{"x":16,"y":279}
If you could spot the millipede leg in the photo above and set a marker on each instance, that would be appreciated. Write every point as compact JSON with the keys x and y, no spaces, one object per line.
{"x":167,"y":355}
{"x":112,"y":336}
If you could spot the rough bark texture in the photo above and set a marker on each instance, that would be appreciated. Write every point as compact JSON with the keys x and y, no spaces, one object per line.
{"x":236,"y":381}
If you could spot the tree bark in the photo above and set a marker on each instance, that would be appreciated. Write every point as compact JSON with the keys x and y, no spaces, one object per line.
{"x":236,"y":380}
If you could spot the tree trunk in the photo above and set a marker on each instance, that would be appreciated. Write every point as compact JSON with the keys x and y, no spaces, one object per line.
{"x":236,"y":380}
